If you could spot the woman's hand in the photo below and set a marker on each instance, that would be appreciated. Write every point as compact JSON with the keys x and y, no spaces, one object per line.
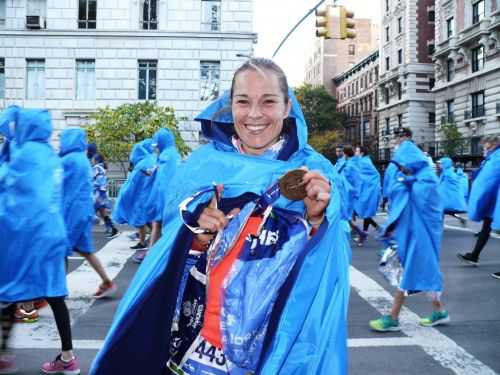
{"x":212,"y":219}
{"x":318,"y":196}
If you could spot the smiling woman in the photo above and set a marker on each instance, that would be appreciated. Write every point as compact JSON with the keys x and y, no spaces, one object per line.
{"x":248,"y":280}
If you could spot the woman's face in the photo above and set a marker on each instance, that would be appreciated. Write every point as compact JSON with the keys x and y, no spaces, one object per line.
{"x":259,"y":109}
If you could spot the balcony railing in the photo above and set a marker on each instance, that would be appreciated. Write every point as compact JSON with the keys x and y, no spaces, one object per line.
{"x":476,"y":112}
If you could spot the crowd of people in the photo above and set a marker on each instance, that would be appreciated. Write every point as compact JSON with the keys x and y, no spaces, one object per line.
{"x":246,"y":270}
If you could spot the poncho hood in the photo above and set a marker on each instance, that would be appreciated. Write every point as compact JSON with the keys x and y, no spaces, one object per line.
{"x":162,"y":139}
{"x":34,"y":125}
{"x":410,"y":157}
{"x":446,"y":163}
{"x":141,"y":150}
{"x":73,"y":139}
{"x":7,"y":118}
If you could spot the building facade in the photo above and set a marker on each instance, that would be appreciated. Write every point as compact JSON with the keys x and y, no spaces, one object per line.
{"x":406,"y":72}
{"x":467,"y":59}
{"x":74,"y":56}
{"x":356,"y":93}
{"x":330,"y":57}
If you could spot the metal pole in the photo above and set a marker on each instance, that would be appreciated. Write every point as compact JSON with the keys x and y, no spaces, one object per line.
{"x":297,"y":25}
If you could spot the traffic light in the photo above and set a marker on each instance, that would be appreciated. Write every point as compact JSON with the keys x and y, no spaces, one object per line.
{"x":347,"y":25}
{"x":324,"y":23}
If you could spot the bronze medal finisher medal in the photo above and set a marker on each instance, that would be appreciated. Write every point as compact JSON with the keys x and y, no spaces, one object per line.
{"x":292,"y":186}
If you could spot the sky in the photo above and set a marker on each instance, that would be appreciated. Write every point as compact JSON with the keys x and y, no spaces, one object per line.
{"x":274,"y":18}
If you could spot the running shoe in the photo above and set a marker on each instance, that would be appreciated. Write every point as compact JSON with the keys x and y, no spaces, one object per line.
{"x":139,"y":256}
{"x":23,"y":316}
{"x":134,"y":236}
{"x":138,"y":246}
{"x":468,"y":258}
{"x":105,"y":290}
{"x":436,"y":318}
{"x":114,"y":233}
{"x":58,"y":366}
{"x":496,"y":275}
{"x":8,"y":364}
{"x":385,"y":324}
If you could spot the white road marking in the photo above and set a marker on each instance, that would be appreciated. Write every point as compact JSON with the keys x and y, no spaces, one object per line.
{"x":379,"y":342}
{"x":82,"y":284}
{"x":465,"y":229}
{"x":440,"y":347}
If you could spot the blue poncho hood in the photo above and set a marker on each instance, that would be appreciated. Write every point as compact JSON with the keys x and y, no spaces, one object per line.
{"x":141,"y":150}
{"x":32,"y":231}
{"x":416,"y":212}
{"x":484,"y":191}
{"x":313,"y":300}
{"x":162,"y":139}
{"x":73,"y":139}
{"x":451,"y":188}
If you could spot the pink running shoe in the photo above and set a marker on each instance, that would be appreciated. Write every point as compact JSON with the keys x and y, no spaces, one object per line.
{"x":8,"y":364}
{"x":58,"y":366}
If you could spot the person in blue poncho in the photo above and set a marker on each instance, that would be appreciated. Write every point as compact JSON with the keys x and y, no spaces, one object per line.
{"x":451,"y":190}
{"x":8,"y":118}
{"x":464,"y":182}
{"x":167,"y":162}
{"x":416,"y":222}
{"x":78,"y":210}
{"x":483,"y":197}
{"x":370,"y":190}
{"x":33,"y":236}
{"x":268,"y":289}
{"x":131,"y":205}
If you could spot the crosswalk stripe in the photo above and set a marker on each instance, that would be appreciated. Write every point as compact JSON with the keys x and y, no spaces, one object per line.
{"x":82,"y":284}
{"x":440,"y":347}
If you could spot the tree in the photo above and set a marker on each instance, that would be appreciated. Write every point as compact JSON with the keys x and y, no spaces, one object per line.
{"x":116,"y":130}
{"x":452,"y":142}
{"x":323,"y":120}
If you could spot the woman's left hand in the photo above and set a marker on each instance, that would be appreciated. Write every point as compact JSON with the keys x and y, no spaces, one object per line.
{"x":318,"y":195}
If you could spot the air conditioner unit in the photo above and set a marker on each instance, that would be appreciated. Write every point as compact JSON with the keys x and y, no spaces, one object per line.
{"x":35,"y":22}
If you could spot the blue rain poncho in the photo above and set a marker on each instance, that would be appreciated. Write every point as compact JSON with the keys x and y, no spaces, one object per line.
{"x":32,"y":230}
{"x":131,"y":205}
{"x":78,"y":208}
{"x":496,"y":214}
{"x":370,"y":190}
{"x":8,"y":119}
{"x":416,"y":218}
{"x":167,"y":163}
{"x":464,"y":183}
{"x":451,"y":188}
{"x":484,"y":191}
{"x":306,"y":331}
{"x":349,"y":185}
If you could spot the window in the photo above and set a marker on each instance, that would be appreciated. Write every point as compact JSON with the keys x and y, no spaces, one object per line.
{"x":387,"y":125}
{"x":477,"y":104}
{"x":432,"y":83}
{"x":386,"y":92}
{"x":387,"y":34}
{"x":149,"y":14}
{"x":400,"y":120}
{"x":450,"y":111}
{"x":210,"y":80}
{"x":210,"y":20}
{"x":87,"y":11}
{"x":387,"y":63}
{"x":432,"y":118}
{"x":387,"y":5}
{"x":450,"y":70}
{"x":35,"y":79}
{"x":3,"y":9}
{"x":85,"y":79}
{"x":400,"y":90}
{"x":352,"y":49}
{"x":478,"y":57}
{"x":400,"y":56}
{"x":431,"y":15}
{"x":2,"y":78}
{"x":366,"y":128}
{"x":147,"y":79}
{"x":430,"y":49}
{"x":477,"y":11}
{"x":400,"y":25}
{"x":450,"y":27}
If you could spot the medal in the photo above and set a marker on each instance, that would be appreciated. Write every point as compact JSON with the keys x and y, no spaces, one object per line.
{"x":291,"y":185}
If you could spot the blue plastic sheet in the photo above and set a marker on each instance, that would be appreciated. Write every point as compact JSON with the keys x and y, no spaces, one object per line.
{"x":317,"y":291}
{"x":451,"y":188}
{"x":32,"y":230}
{"x":369,"y":190}
{"x":78,"y":210}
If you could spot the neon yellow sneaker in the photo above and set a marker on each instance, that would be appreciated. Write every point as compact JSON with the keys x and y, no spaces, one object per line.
{"x":436,"y":318}
{"x":385,"y":324}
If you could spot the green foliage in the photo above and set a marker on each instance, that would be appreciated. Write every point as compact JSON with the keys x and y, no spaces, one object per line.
{"x":452,"y":143}
{"x":116,"y":130}
{"x":323,"y":121}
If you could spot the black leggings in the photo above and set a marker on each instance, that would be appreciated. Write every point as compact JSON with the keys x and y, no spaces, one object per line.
{"x":61,"y":316}
{"x":367,"y":222}
{"x":483,"y":237}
